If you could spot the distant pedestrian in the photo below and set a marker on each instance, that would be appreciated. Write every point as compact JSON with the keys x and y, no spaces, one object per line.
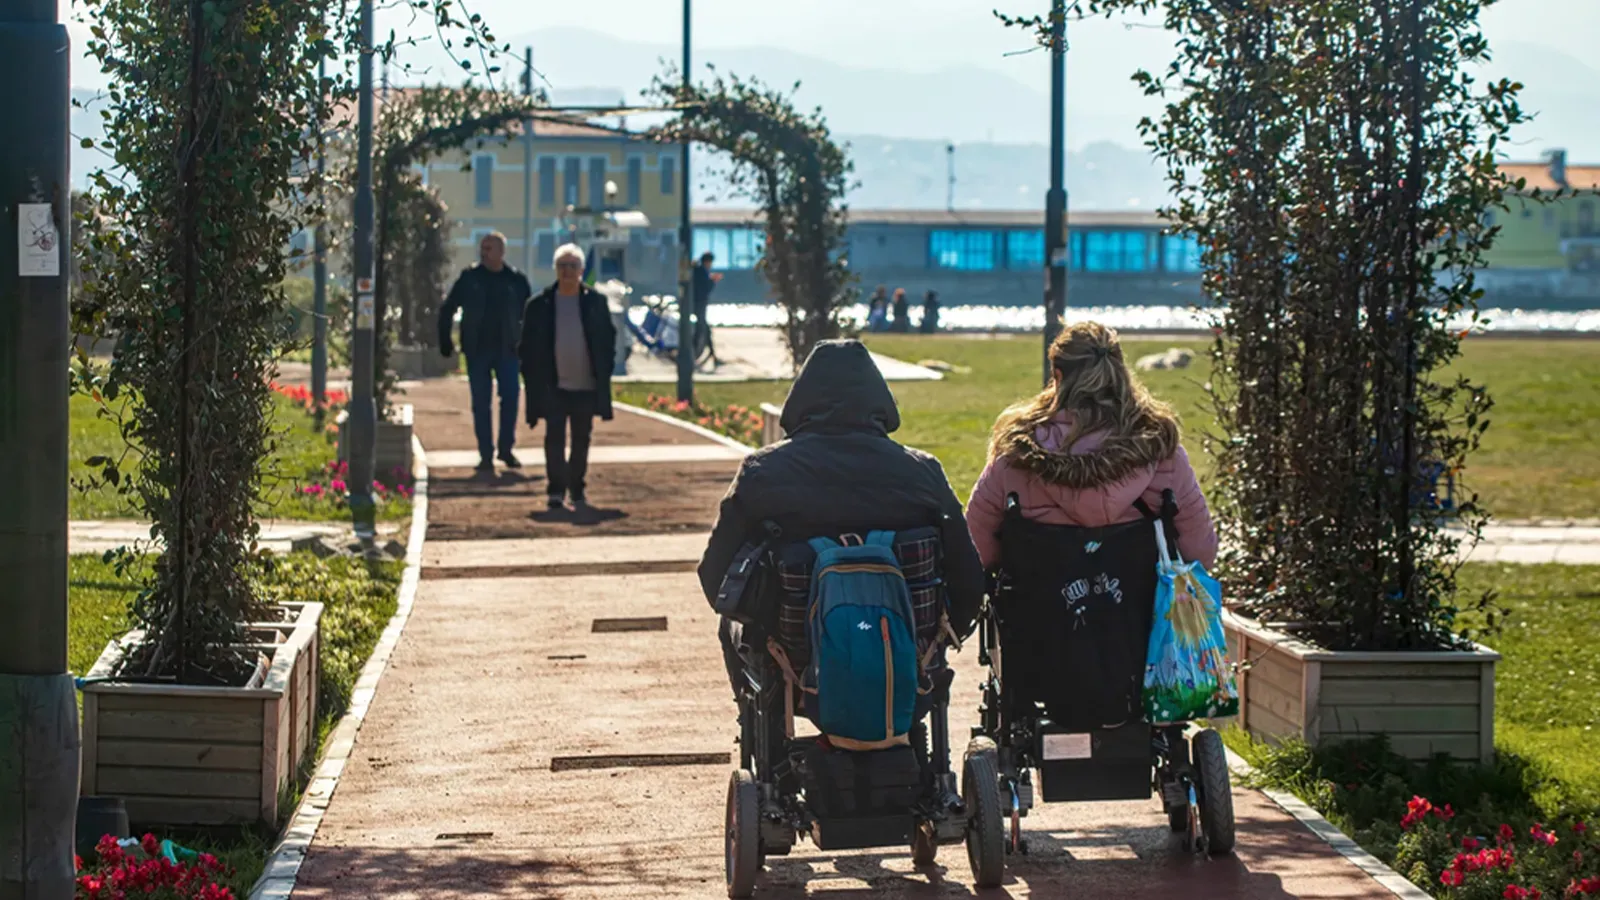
{"x":568,"y":347}
{"x":705,"y":281}
{"x":930,"y":313}
{"x":902,"y":312}
{"x":878,"y":310}
{"x":490,"y":296}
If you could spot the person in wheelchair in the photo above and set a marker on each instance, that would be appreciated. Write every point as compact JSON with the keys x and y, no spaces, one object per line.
{"x":1086,"y":488}
{"x":838,"y":472}
{"x":896,"y":578}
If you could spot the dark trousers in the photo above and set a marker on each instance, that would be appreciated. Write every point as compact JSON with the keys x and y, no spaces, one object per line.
{"x":482,"y":373}
{"x":574,"y":409}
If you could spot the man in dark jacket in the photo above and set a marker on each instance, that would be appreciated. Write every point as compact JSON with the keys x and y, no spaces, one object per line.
{"x":490,"y":296}
{"x":838,"y":472}
{"x":568,"y":347}
{"x":705,"y":281}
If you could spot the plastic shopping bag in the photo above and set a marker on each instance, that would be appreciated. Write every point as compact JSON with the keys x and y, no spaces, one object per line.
{"x":1187,"y":675}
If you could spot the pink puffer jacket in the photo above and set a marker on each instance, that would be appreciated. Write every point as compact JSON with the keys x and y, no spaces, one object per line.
{"x":1092,"y":483}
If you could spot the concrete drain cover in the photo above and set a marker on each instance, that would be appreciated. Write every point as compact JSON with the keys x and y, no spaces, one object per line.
{"x":655,"y":623}
{"x":613,"y":761}
{"x":465,"y":836}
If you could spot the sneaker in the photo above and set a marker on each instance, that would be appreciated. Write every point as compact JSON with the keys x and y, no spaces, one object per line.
{"x":579,"y":500}
{"x":486,"y":465}
{"x":510,"y":459}
{"x":555,"y":502}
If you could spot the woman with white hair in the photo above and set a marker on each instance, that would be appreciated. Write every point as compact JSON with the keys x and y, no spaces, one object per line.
{"x":568,"y":348}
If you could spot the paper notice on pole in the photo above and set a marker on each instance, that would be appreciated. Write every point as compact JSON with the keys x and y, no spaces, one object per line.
{"x":364,"y":311}
{"x":1058,"y":257}
{"x":38,"y":242}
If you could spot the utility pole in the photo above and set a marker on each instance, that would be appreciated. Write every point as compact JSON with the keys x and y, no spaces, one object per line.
{"x":362,"y":423}
{"x":38,"y":711}
{"x":319,"y":269}
{"x":527,"y":167}
{"x":688,"y":306}
{"x":1055,"y":206}
{"x":950,"y":185}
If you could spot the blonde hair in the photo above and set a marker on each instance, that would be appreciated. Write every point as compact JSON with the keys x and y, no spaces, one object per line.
{"x":1091,"y":381}
{"x":493,"y":235}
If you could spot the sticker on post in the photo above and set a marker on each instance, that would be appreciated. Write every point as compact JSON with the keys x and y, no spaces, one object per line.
{"x":364,"y":311}
{"x":1067,"y":746}
{"x":38,"y":241}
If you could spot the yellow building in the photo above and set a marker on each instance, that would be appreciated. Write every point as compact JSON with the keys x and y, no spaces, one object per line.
{"x":577,"y":170}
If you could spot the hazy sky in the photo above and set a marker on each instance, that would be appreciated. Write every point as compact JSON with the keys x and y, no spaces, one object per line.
{"x":913,"y":35}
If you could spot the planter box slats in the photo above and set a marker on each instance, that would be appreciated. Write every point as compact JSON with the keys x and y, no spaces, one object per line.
{"x":189,"y":811}
{"x":124,"y":781}
{"x":392,"y":444}
{"x":187,"y":754}
{"x":192,"y":755}
{"x":1397,"y":692}
{"x":1425,"y":702}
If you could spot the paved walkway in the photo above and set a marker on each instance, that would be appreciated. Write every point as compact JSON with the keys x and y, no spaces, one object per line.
{"x":482,"y":767}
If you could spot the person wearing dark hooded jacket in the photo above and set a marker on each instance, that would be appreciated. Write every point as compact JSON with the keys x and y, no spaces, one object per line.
{"x":838,"y":471}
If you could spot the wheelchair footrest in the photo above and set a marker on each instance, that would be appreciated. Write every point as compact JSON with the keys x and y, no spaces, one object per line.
{"x":863,"y":833}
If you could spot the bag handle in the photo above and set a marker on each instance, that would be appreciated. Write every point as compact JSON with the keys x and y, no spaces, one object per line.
{"x":1167,"y":559}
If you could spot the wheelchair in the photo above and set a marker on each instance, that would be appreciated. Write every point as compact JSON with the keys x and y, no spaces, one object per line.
{"x":1034,"y":729}
{"x":788,"y":787}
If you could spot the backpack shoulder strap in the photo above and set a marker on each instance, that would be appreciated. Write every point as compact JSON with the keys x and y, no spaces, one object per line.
{"x":822,"y":544}
{"x":880,"y":539}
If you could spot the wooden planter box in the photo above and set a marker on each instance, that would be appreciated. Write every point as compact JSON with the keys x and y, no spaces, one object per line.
{"x":188,"y":755}
{"x":393,"y":442}
{"x":1426,"y":702}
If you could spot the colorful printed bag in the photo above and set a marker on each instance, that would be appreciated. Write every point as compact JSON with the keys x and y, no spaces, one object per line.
{"x":1187,"y":675}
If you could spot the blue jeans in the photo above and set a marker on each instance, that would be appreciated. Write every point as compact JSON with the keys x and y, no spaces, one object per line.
{"x":481,"y":375}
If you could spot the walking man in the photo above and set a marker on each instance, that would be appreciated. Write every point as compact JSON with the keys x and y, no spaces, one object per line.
{"x":491,"y":296}
{"x":705,"y":281}
{"x":568,"y":348}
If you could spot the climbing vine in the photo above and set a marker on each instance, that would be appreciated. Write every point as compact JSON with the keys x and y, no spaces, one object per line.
{"x":788,"y":164}
{"x":206,"y":124}
{"x":1335,"y":159}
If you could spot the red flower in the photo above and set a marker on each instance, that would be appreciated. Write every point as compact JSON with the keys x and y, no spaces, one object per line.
{"x":1548,"y":838}
{"x":1513,"y":892}
{"x":1446,"y":814}
{"x":1579,"y":827}
{"x":1506,"y":834}
{"x":1469,"y":843}
{"x":1452,"y":878}
{"x":1416,"y":810}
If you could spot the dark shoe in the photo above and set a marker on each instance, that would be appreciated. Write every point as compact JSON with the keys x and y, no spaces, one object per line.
{"x":486,"y":465}
{"x":579,"y":501}
{"x":510,"y":459}
{"x":555,"y":502}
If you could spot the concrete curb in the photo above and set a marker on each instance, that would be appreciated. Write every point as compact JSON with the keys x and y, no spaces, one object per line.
{"x":277,"y":881}
{"x":706,"y":433}
{"x":1387,"y":878}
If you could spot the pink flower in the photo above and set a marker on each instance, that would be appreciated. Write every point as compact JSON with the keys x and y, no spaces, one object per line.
{"x":338,"y":486}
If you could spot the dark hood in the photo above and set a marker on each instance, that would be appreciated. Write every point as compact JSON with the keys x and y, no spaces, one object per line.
{"x":839,"y":389}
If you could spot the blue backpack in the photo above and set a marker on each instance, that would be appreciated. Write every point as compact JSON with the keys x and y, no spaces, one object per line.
{"x":864,"y":665}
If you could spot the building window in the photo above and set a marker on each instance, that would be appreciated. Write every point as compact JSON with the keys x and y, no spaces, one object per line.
{"x":1074,"y":251}
{"x":546,"y":244}
{"x":1025,"y":250}
{"x":483,"y":179}
{"x":597,"y":183}
{"x":1180,"y":253}
{"x":547,"y":181}
{"x":669,"y":174}
{"x":964,"y":250}
{"x":570,"y":179}
{"x":1117,"y":251}
{"x":635,"y":178}
{"x":734,"y":248}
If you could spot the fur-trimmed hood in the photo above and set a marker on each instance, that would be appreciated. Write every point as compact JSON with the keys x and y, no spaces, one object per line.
{"x":1094,"y":460}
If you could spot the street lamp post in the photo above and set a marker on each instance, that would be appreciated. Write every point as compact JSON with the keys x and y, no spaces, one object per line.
{"x":38,"y":713}
{"x":1055,"y":207}
{"x":527,"y":168}
{"x":362,"y":424}
{"x":688,"y":305}
{"x":319,"y":278}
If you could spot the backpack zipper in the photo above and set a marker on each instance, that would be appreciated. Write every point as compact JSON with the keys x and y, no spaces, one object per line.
{"x":888,"y":680}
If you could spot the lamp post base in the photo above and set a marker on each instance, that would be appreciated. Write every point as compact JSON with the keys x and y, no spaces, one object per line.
{"x":39,"y":749}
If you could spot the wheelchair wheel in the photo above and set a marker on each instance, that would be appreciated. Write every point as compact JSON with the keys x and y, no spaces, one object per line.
{"x":742,"y":847}
{"x":980,"y":788}
{"x":1216,"y":792}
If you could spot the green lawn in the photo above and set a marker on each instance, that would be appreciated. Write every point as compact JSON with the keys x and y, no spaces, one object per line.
{"x":299,"y":457}
{"x":359,"y":598}
{"x":1534,"y":462}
